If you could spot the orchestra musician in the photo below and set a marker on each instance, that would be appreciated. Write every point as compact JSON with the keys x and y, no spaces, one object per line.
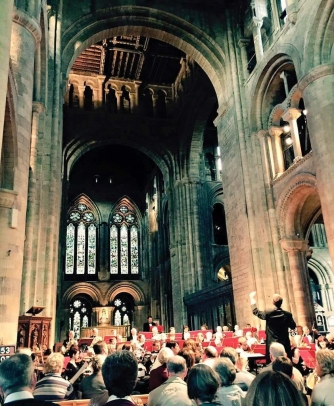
{"x":67,"y":343}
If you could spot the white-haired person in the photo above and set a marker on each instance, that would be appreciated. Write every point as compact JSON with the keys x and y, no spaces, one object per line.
{"x":53,"y":387}
{"x":159,"y":374}
{"x":323,"y":394}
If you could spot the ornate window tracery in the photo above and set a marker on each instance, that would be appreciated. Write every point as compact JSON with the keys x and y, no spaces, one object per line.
{"x":80,"y":313}
{"x":81,"y":241}
{"x":124,"y":259}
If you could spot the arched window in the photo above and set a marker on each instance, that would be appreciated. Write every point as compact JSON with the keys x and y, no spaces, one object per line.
{"x":81,"y":241}
{"x":123,"y":309}
{"x":80,"y":315}
{"x":219,"y":225}
{"x":124,"y":242}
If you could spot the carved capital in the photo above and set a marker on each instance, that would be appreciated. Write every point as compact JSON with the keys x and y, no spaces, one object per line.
{"x":257,"y":23}
{"x":294,"y":244}
{"x":275,"y":131}
{"x":291,"y":114}
{"x":262,"y":134}
{"x":38,"y":107}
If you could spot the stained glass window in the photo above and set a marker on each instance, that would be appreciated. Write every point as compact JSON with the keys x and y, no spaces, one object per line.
{"x":81,"y":241}
{"x":80,"y":313}
{"x":124,"y":257}
{"x":118,"y":318}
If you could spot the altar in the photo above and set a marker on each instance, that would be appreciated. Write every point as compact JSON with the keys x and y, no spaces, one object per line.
{"x":107,"y":331}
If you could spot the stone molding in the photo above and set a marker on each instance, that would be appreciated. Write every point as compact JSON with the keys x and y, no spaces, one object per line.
{"x":7,"y":198}
{"x":126,"y":287}
{"x":29,"y":23}
{"x":78,"y":288}
{"x":295,"y":164}
{"x":294,"y":244}
{"x":314,"y":74}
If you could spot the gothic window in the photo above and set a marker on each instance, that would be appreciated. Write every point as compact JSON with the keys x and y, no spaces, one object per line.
{"x":124,"y":242}
{"x":219,"y":225}
{"x":123,"y":309}
{"x":81,"y":241}
{"x":80,"y":314}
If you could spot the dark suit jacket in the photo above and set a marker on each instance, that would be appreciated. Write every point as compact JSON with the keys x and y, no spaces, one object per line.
{"x":28,"y":402}
{"x":278,"y":323}
{"x":146,"y":327}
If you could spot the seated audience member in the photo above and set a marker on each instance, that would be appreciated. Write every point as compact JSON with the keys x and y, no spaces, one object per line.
{"x":190,"y":357}
{"x":185,"y":334}
{"x":203,"y":383}
{"x":17,"y":381}
{"x":228,"y":393}
{"x":174,"y":346}
{"x":330,"y":338}
{"x":322,"y":343}
{"x":100,"y":350}
{"x":119,"y":372}
{"x":297,"y":360}
{"x":172,"y":333}
{"x":174,"y":390}
{"x":209,"y":353}
{"x":237,"y":331}
{"x":93,"y":384}
{"x":284,"y":365}
{"x":322,"y":394}
{"x":141,"y":340}
{"x":200,"y":338}
{"x":53,"y":387}
{"x":112,"y":345}
{"x":153,"y":362}
{"x":218,"y":336}
{"x":159,"y":374}
{"x":243,"y":345}
{"x":95,"y":336}
{"x":278,"y":350}
{"x":272,"y":389}
{"x":243,"y":378}
{"x":155,"y":333}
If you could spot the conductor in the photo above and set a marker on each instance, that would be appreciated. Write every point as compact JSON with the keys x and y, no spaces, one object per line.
{"x":278,"y":322}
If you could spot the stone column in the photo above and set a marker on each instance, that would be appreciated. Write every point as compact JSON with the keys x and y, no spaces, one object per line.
{"x":26,"y":35}
{"x":257,"y":24}
{"x":291,"y":116}
{"x":188,"y":243}
{"x":275,"y":133}
{"x":81,"y":91}
{"x":291,"y":11}
{"x":98,"y":99}
{"x":5,"y":34}
{"x":267,"y":160}
{"x":317,"y":87}
{"x":300,"y":291}
{"x":118,"y":97}
{"x":284,"y":77}
{"x":243,"y":42}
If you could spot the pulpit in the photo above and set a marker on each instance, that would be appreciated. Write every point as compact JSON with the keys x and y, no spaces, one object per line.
{"x":34,"y":331}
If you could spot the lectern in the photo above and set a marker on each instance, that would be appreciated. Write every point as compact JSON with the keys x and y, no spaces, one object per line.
{"x":34,"y":331}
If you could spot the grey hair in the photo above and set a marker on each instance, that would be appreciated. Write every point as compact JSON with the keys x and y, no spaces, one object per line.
{"x":16,"y":373}
{"x":277,"y":350}
{"x":176,"y":364}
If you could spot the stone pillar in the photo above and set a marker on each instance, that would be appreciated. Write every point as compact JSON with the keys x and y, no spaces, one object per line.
{"x":188,"y":246}
{"x":118,"y":97}
{"x":267,"y":160}
{"x":291,"y":11}
{"x":5,"y":34}
{"x":99,"y":95}
{"x":81,"y":91}
{"x":26,"y":35}
{"x":291,"y":116}
{"x":275,"y":133}
{"x":300,"y":290}
{"x":317,"y":89}
{"x":257,"y":24}
{"x":243,"y":42}
{"x":284,"y":77}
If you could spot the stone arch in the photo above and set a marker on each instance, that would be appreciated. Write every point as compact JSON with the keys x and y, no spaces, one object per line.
{"x":318,"y":45}
{"x":150,"y":22}
{"x":259,"y":109}
{"x":322,"y":270}
{"x":216,"y":195}
{"x":83,"y":288}
{"x":297,"y":205}
{"x":126,"y":287}
{"x":160,"y":156}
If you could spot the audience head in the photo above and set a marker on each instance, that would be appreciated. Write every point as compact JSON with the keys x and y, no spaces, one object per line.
{"x":189,"y":356}
{"x":164,"y":355}
{"x":119,"y":373}
{"x":100,"y":348}
{"x":225,"y":328}
{"x":324,"y":362}
{"x":17,"y":374}
{"x":323,"y":342}
{"x":273,"y":389}
{"x":231,"y":353}
{"x":96,"y":364}
{"x":141,"y":338}
{"x":200,"y":337}
{"x":276,"y":350}
{"x":226,"y":371}
{"x":73,"y":351}
{"x":284,"y":365}
{"x":174,"y":346}
{"x":277,"y":300}
{"x":127,"y":347}
{"x":243,"y":344}
{"x":176,"y":365}
{"x":203,"y":383}
{"x":210,"y":352}
{"x":185,"y":329}
{"x":54,"y":363}
{"x":155,"y":330}
{"x":156,"y":346}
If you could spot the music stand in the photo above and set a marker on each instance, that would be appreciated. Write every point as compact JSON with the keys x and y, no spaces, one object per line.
{"x":85,"y":342}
